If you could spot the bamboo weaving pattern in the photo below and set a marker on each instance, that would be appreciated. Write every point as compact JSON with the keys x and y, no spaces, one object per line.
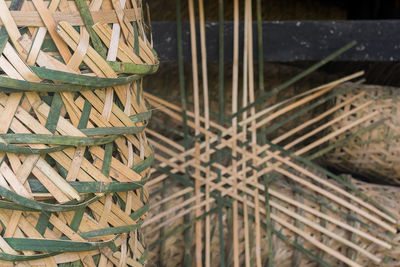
{"x":74,"y":155}
{"x":373,"y":154}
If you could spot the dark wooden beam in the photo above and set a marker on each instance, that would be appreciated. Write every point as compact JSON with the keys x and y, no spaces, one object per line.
{"x":285,"y":41}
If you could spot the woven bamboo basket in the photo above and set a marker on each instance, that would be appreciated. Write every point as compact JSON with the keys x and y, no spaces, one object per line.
{"x":74,"y":157}
{"x":373,"y":154}
{"x":171,"y":253}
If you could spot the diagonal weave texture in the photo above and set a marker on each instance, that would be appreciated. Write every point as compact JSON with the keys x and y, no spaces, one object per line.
{"x":374,"y":154}
{"x":74,"y":156}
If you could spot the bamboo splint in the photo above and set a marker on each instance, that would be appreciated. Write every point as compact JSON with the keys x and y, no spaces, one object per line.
{"x":74,"y":155}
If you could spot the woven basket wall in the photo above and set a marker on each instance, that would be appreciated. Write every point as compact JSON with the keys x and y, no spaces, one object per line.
{"x":74,"y":157}
{"x":172,"y":252}
{"x":373,"y":154}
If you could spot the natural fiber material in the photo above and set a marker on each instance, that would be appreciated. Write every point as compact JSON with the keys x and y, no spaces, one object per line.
{"x":74,"y":157}
{"x":285,"y":254}
{"x":304,"y":210}
{"x":221,"y":183}
{"x":374,"y":154}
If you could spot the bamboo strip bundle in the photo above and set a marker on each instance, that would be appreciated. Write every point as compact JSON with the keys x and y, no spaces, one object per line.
{"x":375,"y":153}
{"x":74,"y":156}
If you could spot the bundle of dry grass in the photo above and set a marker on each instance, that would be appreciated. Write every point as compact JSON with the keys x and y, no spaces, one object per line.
{"x":74,"y":157}
{"x":373,"y":154}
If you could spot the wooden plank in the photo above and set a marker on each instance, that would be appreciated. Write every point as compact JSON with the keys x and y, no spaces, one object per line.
{"x":377,"y":40}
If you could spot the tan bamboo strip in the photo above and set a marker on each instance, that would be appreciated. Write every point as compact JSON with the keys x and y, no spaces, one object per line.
{"x":207,"y":228}
{"x":116,"y":30}
{"x":198,"y":225}
{"x":50,"y":24}
{"x":11,"y":27}
{"x":258,"y":229}
{"x":249,"y":30}
{"x":123,"y":52}
{"x":246,"y":74}
{"x":235,"y":80}
{"x":32,"y":18}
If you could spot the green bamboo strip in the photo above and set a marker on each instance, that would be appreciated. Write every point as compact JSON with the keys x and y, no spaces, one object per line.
{"x":42,"y":222}
{"x":92,"y":187}
{"x":77,"y":219}
{"x":9,"y":85}
{"x":19,"y":201}
{"x":57,"y":139}
{"x":54,"y":114}
{"x":59,"y":246}
{"x":88,"y":21}
{"x":84,"y":119}
{"x":132,"y":68}
{"x":221,"y":116}
{"x":29,"y":151}
{"x":105,"y":168}
{"x":83,"y":80}
{"x":12,"y":257}
{"x":110,"y":230}
{"x":144,"y":116}
{"x":188,"y":236}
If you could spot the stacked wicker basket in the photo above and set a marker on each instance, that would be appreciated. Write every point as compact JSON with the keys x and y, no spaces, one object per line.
{"x":74,"y":157}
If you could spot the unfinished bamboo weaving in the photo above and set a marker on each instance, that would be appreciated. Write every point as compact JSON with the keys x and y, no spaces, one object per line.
{"x":74,"y":156}
{"x":225,"y":187}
